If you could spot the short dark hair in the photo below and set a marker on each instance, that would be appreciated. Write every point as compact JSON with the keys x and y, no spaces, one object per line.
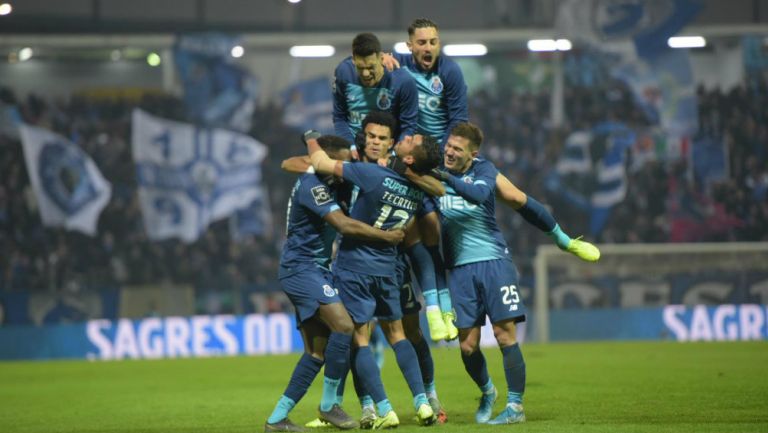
{"x":382,"y":118}
{"x":469,"y":131}
{"x":365,"y":44}
{"x":332,"y":143}
{"x":421,"y":23}
{"x":427,"y":156}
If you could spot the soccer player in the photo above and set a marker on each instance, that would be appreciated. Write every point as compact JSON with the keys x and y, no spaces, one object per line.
{"x":325,"y":325}
{"x":375,"y":145}
{"x":483,"y":279}
{"x":362,"y":85}
{"x":364,"y":273}
{"x":439,"y":81}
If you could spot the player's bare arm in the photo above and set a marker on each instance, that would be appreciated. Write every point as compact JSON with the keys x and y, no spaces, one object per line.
{"x":296,"y":164}
{"x":351,"y":227}
{"x":426,"y":183}
{"x":323,"y":163}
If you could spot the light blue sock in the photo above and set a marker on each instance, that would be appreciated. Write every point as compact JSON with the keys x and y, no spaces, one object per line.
{"x":444,"y":296}
{"x":328,"y":398}
{"x":429,"y":387}
{"x":383,"y":407}
{"x":561,"y":239}
{"x":283,"y":407}
{"x":366,"y":400}
{"x":419,"y":399}
{"x":514,"y":397}
{"x":430,"y":297}
{"x":487,"y":387}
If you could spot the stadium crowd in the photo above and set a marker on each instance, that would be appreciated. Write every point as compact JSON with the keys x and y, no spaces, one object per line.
{"x":665,"y":201}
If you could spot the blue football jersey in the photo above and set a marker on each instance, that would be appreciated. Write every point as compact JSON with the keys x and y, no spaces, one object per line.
{"x":470,"y":232}
{"x":395,"y":93}
{"x":442,"y":95}
{"x":308,"y":237}
{"x":385,"y":200}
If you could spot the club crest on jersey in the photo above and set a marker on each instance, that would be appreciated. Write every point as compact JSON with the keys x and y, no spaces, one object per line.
{"x":383,"y":101}
{"x":436,"y":85}
{"x":467,"y":179}
{"x":329,"y":291}
{"x":321,"y":195}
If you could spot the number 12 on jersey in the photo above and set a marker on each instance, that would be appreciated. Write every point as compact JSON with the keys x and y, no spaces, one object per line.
{"x":400,"y":216}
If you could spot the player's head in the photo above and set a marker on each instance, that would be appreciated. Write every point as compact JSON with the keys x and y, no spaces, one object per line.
{"x":378,"y":129}
{"x":462,"y":146}
{"x":367,"y":58}
{"x":424,"y":43}
{"x":420,"y":152}
{"x":335,"y":146}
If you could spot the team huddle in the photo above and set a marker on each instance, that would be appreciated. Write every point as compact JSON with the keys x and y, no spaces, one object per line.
{"x":403,"y":187}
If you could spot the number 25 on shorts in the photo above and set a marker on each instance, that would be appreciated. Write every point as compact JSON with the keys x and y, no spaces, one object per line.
{"x":509,"y":296}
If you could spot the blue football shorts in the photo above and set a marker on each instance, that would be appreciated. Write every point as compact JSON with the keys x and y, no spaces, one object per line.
{"x":409,"y":303}
{"x":485,"y":288}
{"x":368,"y":296}
{"x":307,"y":289}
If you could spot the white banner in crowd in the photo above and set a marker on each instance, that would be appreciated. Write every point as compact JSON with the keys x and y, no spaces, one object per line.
{"x":189,"y":177}
{"x":70,"y":190}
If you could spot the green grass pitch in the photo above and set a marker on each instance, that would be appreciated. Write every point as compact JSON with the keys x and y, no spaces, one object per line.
{"x":578,"y":387}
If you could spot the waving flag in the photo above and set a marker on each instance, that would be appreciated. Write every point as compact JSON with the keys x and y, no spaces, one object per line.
{"x":70,"y":190}
{"x":189,"y":177}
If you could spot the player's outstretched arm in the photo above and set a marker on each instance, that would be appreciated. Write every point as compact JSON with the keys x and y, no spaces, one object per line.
{"x":475,"y":193}
{"x":297,"y":164}
{"x":428,"y":184}
{"x":536,"y":214}
{"x":321,"y":162}
{"x":351,"y":227}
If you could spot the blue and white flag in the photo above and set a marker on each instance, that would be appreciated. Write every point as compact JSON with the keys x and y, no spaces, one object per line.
{"x":646,"y":23}
{"x":309,"y":105}
{"x":189,"y":177}
{"x":70,"y":190}
{"x":218,"y":92}
{"x":595,"y":160}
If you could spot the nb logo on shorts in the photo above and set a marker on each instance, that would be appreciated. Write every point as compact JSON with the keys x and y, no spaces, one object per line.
{"x":329,"y":291}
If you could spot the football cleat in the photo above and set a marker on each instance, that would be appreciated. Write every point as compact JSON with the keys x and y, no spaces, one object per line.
{"x":512,"y":414}
{"x":390,"y":420}
{"x":451,"y":329}
{"x":583,"y":250}
{"x":485,"y":409}
{"x":318,"y":423}
{"x":368,"y":418}
{"x":437,"y":329}
{"x":338,"y":417}
{"x":425,"y":415}
{"x":437,"y":408}
{"x":282,"y":426}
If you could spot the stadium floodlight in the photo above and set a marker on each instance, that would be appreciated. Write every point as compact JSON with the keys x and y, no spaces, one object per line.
{"x":549,"y":45}
{"x":465,"y":50}
{"x":237,"y":51}
{"x":687,"y":42}
{"x":312,"y":51}
{"x":153,"y":59}
{"x":294,"y":1}
{"x":402,"y":48}
{"x":25,"y":54}
{"x":5,"y":8}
